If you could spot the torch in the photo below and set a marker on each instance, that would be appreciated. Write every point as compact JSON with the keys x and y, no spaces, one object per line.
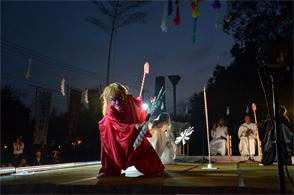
{"x":146,"y":71}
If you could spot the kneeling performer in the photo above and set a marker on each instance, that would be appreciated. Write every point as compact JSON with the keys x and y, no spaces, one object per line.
{"x":123,"y":115}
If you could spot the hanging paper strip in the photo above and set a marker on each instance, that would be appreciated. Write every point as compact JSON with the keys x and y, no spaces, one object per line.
{"x":195,"y":14}
{"x":216,"y":6}
{"x":170,"y":7}
{"x":228,"y":111}
{"x":228,"y":16}
{"x":177,"y":17}
{"x":28,"y":69}
{"x":247,"y":109}
{"x":164,"y":17}
{"x":62,"y":87}
{"x":44,"y":98}
{"x":86,"y":96}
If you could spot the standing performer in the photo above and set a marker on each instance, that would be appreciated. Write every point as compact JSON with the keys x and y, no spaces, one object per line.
{"x":219,"y":138}
{"x":247,"y":135}
{"x":123,"y":116}
{"x":162,"y":138}
{"x":269,"y":149}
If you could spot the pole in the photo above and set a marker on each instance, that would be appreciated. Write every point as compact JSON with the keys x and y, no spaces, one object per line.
{"x":174,"y":80}
{"x":209,"y":166}
{"x":36,"y":101}
{"x":175,"y":104}
{"x":207,"y":126}
{"x":257,"y":133}
{"x":277,"y":132}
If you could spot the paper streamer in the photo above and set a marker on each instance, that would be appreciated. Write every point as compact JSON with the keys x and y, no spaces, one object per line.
{"x":228,"y":16}
{"x":218,"y":23}
{"x":195,"y":10}
{"x":86,"y":97}
{"x":216,"y":6}
{"x":195,"y":14}
{"x":228,"y":111}
{"x":177,"y":17}
{"x":164,"y":21}
{"x":62,"y":87}
{"x":28,"y":69}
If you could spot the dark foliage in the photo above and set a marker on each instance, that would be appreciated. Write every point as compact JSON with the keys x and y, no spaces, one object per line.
{"x":252,"y":23}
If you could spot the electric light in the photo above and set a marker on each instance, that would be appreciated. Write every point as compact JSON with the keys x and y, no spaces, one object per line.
{"x":145,"y":106}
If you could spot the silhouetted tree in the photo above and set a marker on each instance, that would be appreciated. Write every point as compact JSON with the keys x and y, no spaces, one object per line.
{"x":259,"y":21}
{"x":116,"y":14}
{"x":15,"y":117}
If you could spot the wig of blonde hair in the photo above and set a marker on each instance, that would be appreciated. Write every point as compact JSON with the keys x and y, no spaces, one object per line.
{"x":113,"y":89}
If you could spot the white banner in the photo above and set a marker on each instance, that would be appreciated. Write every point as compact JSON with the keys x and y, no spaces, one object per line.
{"x":42,"y":116}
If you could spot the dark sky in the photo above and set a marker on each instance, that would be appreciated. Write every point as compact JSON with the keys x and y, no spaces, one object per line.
{"x":59,"y":30}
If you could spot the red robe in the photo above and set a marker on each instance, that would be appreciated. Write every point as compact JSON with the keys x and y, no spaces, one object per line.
{"x":118,"y":133}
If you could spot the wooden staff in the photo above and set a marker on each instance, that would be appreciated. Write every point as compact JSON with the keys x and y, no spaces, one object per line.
{"x":207,"y":126}
{"x":257,"y":132}
{"x":146,"y":71}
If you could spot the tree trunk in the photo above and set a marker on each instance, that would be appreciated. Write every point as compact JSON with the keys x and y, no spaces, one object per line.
{"x":109,"y":56}
{"x":110,"y":41}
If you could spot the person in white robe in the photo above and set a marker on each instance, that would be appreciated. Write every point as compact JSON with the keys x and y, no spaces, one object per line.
{"x":162,"y":138}
{"x":247,"y":134}
{"x":218,"y":144}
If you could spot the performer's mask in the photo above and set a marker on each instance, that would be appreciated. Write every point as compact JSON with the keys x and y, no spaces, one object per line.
{"x":117,"y":102}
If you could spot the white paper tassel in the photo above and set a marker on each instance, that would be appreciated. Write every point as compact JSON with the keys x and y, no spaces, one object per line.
{"x":164,"y":17}
{"x":62,"y":87}
{"x":86,"y":96}
{"x":184,"y":136}
{"x":186,"y":109}
{"x":131,"y":172}
{"x":28,"y":69}
{"x":162,"y":107}
{"x":247,"y":109}
{"x":228,"y":111}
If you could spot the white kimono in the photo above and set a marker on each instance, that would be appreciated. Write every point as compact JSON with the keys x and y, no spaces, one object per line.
{"x":218,"y":143}
{"x":163,"y":142}
{"x":247,"y":143}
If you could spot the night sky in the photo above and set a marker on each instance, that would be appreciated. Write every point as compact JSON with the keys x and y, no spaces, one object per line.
{"x":59,"y":30}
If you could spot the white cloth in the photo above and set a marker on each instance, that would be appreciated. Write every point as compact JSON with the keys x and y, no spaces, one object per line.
{"x":218,"y":144}
{"x":163,"y":142}
{"x":247,"y":144}
{"x":219,"y":132}
{"x":18,"y":148}
{"x":131,"y":172}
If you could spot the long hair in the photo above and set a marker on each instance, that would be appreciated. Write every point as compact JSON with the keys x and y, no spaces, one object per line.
{"x":113,"y":89}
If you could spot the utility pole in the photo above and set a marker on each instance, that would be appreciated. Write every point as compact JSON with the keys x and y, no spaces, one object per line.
{"x":174,"y":79}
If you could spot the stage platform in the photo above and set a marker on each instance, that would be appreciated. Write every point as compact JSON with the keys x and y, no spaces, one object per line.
{"x":183,"y":178}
